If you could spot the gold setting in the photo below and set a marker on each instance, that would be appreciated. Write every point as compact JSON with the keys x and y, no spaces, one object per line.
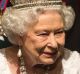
{"x":34,"y":3}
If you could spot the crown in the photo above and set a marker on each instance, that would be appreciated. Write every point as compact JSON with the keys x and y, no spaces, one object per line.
{"x":34,"y":3}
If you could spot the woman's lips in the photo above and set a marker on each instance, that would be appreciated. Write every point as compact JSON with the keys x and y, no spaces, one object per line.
{"x":49,"y":54}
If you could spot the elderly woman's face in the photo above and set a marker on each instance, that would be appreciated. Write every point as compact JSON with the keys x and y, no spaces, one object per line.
{"x":45,"y":39}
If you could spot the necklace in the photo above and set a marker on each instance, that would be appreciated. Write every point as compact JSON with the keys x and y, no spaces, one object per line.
{"x":22,"y":67}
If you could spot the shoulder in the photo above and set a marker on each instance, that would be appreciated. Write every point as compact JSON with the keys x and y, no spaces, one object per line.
{"x":3,"y":62}
{"x":7,"y":57}
{"x":70,"y":55}
{"x":2,"y":55}
{"x":71,"y":62}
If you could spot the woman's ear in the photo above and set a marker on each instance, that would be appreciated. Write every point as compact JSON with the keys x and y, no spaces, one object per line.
{"x":20,"y":41}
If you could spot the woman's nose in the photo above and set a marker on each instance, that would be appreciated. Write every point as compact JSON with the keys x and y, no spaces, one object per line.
{"x":52,"y":41}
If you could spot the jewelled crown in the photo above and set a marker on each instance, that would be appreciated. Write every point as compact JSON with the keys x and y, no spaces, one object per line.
{"x":34,"y":3}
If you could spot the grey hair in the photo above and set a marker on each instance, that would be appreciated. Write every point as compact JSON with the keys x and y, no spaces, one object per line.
{"x":15,"y":22}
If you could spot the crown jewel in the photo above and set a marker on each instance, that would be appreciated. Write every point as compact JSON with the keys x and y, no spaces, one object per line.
{"x":34,"y":3}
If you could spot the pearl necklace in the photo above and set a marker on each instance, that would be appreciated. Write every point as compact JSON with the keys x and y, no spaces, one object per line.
{"x":22,"y":67}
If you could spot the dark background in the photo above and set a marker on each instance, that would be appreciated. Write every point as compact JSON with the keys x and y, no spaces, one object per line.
{"x":73,"y":35}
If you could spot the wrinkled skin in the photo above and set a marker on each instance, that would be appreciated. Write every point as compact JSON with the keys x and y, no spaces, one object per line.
{"x":45,"y":39}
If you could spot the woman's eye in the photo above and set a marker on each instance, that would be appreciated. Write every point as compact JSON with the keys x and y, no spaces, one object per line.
{"x":43,"y":34}
{"x":59,"y":32}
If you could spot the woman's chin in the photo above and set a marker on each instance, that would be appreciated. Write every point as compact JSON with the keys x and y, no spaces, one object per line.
{"x":47,"y":61}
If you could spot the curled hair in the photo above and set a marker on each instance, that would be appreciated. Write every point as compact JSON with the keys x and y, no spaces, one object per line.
{"x":15,"y":22}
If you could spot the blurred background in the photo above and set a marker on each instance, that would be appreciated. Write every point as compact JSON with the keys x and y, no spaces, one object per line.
{"x":73,"y":35}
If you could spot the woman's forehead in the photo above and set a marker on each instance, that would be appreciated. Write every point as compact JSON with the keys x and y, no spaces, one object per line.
{"x":49,"y":21}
